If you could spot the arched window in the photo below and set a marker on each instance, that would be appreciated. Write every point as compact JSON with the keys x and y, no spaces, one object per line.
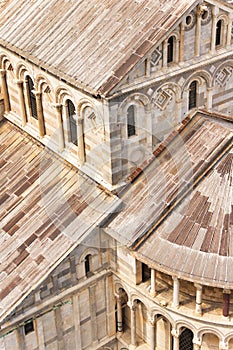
{"x":32,"y":98}
{"x":218,"y":33}
{"x":72,"y":122}
{"x":193,"y":95}
{"x":186,"y":339}
{"x":87,"y":262}
{"x":131,"y":121}
{"x":170,"y":49}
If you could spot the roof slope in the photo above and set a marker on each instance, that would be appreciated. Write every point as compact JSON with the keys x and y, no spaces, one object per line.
{"x":89,"y":43}
{"x":46,"y":209}
{"x":169,"y":176}
{"x":196,"y":240}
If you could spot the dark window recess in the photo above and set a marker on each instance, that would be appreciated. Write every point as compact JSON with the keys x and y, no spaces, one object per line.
{"x":170,"y":49}
{"x":72,"y":123}
{"x":131,"y":121}
{"x":146,"y":272}
{"x":32,"y":98}
{"x":218,"y":33}
{"x":28,"y":327}
{"x":193,"y":95}
{"x":186,"y":340}
{"x":87,"y":262}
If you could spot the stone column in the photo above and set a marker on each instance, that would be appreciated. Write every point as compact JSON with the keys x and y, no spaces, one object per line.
{"x":176,"y":286}
{"x":226,"y":302}
{"x":40,"y":114}
{"x":175,"y":337}
{"x":81,"y":147}
{"x":196,"y":343}
{"x":27,"y":99}
{"x":198,"y":298}
{"x":209,"y":98}
{"x":198,"y":32}
{"x":119,"y":314}
{"x":229,"y":26}
{"x":5,"y":93}
{"x":133,"y":325}
{"x":152,"y":282}
{"x":181,"y":51}
{"x":164,"y":54}
{"x":223,"y":345}
{"x":213,"y":30}
{"x":22,"y":102}
{"x":58,"y":108}
{"x":151,"y":332}
{"x":40,"y":333}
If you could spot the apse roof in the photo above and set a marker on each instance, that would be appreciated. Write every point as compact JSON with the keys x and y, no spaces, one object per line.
{"x":92,"y":44}
{"x":178,"y":212}
{"x":47,"y":208}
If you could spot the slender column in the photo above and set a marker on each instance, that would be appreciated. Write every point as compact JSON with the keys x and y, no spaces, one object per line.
{"x":152,"y":282}
{"x":213,"y":30}
{"x":196,"y":343}
{"x":81,"y":147}
{"x":22,"y":102}
{"x":165,"y":54}
{"x":181,"y":51}
{"x":151,"y":332}
{"x":40,"y":114}
{"x":58,"y":108}
{"x":133,"y":326}
{"x":5,"y":91}
{"x":198,"y":298}
{"x":175,"y":337}
{"x":223,"y":345}
{"x":40,"y":333}
{"x":27,"y":99}
{"x":119,"y":314}
{"x":176,"y":286}
{"x":228,"y":41}
{"x":209,"y":98}
{"x":198,"y":32}
{"x":226,"y":302}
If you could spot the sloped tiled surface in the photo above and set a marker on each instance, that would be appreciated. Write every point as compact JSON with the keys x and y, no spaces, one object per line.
{"x":93,"y":43}
{"x":46,"y":209}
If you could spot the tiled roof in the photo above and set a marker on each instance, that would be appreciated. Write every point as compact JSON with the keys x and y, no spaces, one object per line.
{"x":92,"y":44}
{"x":196,"y":241}
{"x":173,"y":171}
{"x":46,"y":209}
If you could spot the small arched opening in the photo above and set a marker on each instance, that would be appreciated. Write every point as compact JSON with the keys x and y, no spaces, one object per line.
{"x":186,"y":339}
{"x":72,"y":123}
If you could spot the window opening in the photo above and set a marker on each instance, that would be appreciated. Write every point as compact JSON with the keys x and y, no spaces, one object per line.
{"x":218,"y":32}
{"x":131,"y":121}
{"x":170,"y":49}
{"x":146,"y":272}
{"x":87,"y":262}
{"x":186,"y":340}
{"x":32,"y":98}
{"x":28,"y":327}
{"x":72,"y":123}
{"x":193,"y":95}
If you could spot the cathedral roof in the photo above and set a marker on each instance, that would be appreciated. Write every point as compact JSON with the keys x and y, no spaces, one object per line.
{"x":178,"y":214}
{"x":46,"y":209}
{"x":91,"y":44}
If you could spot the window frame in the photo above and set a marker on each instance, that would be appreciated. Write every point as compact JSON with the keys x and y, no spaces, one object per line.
{"x":192,"y":95}
{"x":32,"y":98}
{"x":131,"y":121}
{"x":73,"y":133}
